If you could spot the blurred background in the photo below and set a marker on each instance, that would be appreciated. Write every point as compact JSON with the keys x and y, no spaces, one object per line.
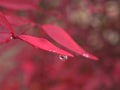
{"x":93,"y":24}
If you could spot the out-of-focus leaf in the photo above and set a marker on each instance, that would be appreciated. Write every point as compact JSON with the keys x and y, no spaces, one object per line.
{"x":28,"y":70}
{"x":4,"y":22}
{"x":18,"y":21}
{"x":4,"y":37}
{"x":43,"y":44}
{"x":61,"y":37}
{"x":19,"y":4}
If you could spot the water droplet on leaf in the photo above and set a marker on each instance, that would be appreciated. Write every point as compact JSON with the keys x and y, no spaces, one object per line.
{"x":62,"y":57}
{"x":86,"y":55}
{"x":53,"y":51}
{"x":11,"y":38}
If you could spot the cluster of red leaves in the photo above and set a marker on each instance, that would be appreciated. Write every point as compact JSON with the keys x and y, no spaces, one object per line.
{"x":53,"y":31}
{"x":9,"y":21}
{"x":42,"y":70}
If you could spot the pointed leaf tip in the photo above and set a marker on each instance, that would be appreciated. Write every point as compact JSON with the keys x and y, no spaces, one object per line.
{"x":90,"y":56}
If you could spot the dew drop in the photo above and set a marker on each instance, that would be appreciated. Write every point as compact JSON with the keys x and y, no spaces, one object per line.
{"x":11,"y":38}
{"x":53,"y":51}
{"x":63,"y":58}
{"x":50,"y":50}
{"x":86,"y":55}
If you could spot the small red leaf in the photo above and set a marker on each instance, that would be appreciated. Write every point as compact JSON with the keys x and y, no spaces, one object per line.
{"x":4,"y":22}
{"x":61,"y":37}
{"x":43,"y":44}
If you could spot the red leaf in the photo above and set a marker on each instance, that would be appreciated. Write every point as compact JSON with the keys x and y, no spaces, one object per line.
{"x":19,"y":4}
{"x":43,"y":44}
{"x":4,"y":22}
{"x":61,"y":37}
{"x":18,"y":21}
{"x":4,"y":37}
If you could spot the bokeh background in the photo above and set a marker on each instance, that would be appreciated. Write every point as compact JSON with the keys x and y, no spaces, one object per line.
{"x":93,"y":24}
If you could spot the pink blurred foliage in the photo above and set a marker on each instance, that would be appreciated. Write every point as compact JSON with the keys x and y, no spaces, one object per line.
{"x":52,"y":28}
